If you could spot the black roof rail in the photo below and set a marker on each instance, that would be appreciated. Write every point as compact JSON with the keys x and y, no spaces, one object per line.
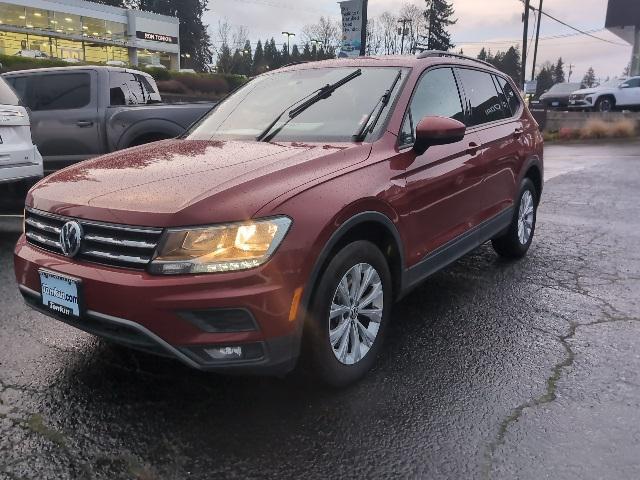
{"x":442,"y":53}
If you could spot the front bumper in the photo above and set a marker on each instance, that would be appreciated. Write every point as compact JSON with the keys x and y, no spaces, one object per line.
{"x":147,"y":312}
{"x":579,"y":104}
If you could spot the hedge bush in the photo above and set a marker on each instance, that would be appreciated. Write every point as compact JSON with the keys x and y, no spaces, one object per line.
{"x":204,"y":85}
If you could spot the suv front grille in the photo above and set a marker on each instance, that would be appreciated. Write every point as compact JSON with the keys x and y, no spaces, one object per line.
{"x":105,"y":243}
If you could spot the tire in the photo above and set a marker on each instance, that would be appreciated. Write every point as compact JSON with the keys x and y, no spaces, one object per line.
{"x":516,"y":241}
{"x":342,"y":363}
{"x":605,"y":104}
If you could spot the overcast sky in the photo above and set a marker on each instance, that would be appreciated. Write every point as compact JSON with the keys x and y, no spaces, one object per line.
{"x":492,"y":23}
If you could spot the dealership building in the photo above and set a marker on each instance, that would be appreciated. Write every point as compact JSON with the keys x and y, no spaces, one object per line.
{"x":78,"y":30}
{"x":623,"y":19}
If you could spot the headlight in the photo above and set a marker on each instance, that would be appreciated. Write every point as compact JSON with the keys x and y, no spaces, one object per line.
{"x":219,"y":248}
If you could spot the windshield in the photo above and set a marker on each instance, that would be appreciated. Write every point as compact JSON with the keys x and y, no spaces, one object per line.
{"x":565,"y":87}
{"x":248,"y":112}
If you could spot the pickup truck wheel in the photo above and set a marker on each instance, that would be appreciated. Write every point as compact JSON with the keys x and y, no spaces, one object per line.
{"x":516,"y":241}
{"x":605,"y":104}
{"x":349,"y":314}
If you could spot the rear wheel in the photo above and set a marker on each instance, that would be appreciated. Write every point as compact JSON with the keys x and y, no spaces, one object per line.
{"x":516,"y":241}
{"x":349,"y":314}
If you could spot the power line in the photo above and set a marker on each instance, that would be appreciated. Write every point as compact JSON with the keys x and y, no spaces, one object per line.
{"x":542,"y":12}
{"x":512,"y":40}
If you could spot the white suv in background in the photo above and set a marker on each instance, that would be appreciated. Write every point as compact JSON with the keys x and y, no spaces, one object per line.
{"x":20,"y":159}
{"x":617,"y":93}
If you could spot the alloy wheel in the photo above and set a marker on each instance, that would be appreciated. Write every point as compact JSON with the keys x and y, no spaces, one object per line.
{"x":356,"y":313}
{"x":525,"y":217}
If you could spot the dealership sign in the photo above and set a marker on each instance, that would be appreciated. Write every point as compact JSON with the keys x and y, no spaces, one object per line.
{"x":353,"y":18}
{"x":156,"y":37}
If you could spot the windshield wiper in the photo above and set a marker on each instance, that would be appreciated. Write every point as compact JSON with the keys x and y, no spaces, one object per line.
{"x":320,"y":94}
{"x":384,"y":100}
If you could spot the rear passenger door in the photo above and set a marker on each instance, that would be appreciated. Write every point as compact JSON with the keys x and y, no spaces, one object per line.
{"x":64,"y":115}
{"x":493,"y":114}
{"x":440,"y":185}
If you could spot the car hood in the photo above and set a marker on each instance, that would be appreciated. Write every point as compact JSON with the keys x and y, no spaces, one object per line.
{"x":589,"y":91}
{"x":189,"y":182}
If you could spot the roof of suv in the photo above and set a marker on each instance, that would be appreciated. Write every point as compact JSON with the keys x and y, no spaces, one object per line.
{"x":408,"y":61}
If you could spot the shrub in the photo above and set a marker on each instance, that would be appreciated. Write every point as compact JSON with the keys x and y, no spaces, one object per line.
{"x":172,"y":86}
{"x":12,"y":63}
{"x":595,"y":129}
{"x":623,"y":129}
{"x":567,"y":133}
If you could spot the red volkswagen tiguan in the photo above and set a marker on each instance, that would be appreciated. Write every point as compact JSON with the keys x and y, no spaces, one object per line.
{"x":290,"y":219}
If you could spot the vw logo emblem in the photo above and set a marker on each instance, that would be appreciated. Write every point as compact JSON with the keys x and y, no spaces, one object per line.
{"x":70,"y":238}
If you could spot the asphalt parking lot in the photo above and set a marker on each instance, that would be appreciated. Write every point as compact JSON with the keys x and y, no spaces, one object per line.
{"x":492,"y":370}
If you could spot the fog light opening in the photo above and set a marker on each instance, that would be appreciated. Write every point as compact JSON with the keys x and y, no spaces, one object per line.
{"x":225,"y":353}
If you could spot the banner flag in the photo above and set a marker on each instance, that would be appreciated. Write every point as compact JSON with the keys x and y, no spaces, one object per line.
{"x":352,"y":26}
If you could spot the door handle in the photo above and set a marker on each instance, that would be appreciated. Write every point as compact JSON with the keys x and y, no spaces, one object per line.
{"x":473,"y":149}
{"x":518,"y":132}
{"x":84,"y":123}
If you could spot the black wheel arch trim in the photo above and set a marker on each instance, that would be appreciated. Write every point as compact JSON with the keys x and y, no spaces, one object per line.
{"x":336,"y":236}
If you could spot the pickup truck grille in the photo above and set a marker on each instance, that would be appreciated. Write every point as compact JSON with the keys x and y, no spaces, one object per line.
{"x":104,"y":243}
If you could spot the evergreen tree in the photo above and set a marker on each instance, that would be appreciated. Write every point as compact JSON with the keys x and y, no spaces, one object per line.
{"x":545,"y":80}
{"x":246,"y":63}
{"x":439,"y":16}
{"x":194,"y":39}
{"x":284,"y":55}
{"x":511,"y":64}
{"x":225,"y":60}
{"x":314,"y":52}
{"x":306,"y":53}
{"x":482,"y":55}
{"x":295,"y":54}
{"x":558,"y":72}
{"x":589,"y":79}
{"x":236,"y":62}
{"x":258,"y":66}
{"x":276,"y":61}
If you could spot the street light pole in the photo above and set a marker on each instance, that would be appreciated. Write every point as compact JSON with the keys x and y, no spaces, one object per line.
{"x":289,"y":35}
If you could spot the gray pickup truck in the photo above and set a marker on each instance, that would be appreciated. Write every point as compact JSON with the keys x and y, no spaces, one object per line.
{"x":82,"y":112}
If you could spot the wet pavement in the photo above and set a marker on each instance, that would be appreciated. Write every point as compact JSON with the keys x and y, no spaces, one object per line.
{"x":491,"y":370}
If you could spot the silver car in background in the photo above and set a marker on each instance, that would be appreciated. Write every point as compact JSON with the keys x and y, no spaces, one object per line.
{"x":20,"y":159}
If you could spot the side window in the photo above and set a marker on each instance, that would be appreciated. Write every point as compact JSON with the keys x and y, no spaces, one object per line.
{"x":633,"y":83}
{"x":126,"y":89}
{"x":484,"y":105}
{"x":435,"y":95}
{"x":64,"y":91}
{"x":512,"y":97}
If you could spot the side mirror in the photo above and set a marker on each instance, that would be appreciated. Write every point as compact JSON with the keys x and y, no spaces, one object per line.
{"x":624,"y":85}
{"x":433,"y":131}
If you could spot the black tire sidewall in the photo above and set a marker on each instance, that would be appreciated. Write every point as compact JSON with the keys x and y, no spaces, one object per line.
{"x":316,"y":337}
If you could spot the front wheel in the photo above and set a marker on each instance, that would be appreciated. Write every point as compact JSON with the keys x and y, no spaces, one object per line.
{"x":349,"y":314}
{"x":605,"y":104}
{"x":516,"y":241}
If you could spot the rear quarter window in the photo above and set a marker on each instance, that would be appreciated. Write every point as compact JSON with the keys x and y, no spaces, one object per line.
{"x":483,"y":102}
{"x":509,"y":93}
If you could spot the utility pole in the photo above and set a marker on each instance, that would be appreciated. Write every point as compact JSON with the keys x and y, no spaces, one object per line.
{"x":363,"y":40}
{"x":289,"y":35}
{"x":570,"y":72}
{"x":404,"y":32}
{"x":535,"y":50}
{"x":525,"y":37}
